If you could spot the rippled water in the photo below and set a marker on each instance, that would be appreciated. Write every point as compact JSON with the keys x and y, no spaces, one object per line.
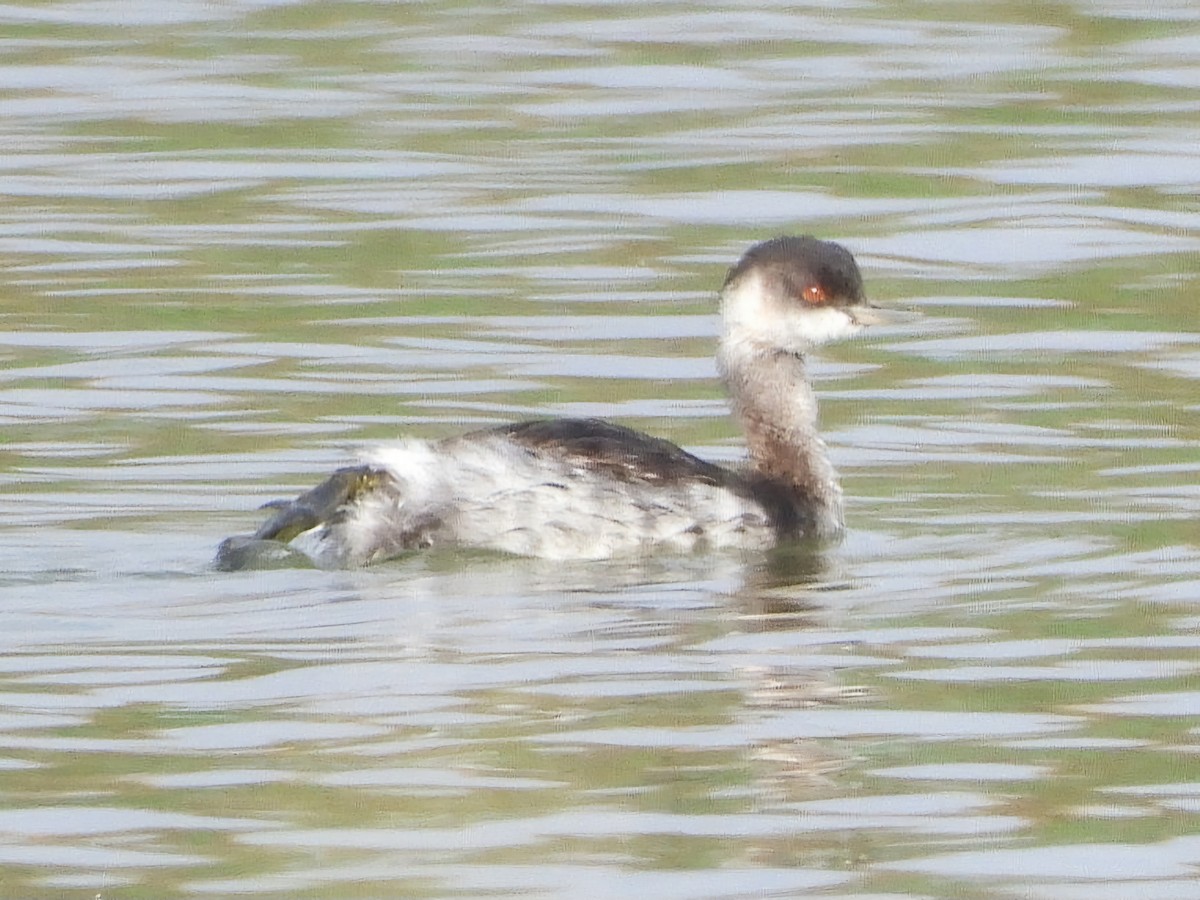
{"x":238,"y":238}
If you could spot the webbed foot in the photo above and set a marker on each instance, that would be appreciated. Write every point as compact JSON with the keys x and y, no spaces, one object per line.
{"x":316,"y":507}
{"x":244,"y":551}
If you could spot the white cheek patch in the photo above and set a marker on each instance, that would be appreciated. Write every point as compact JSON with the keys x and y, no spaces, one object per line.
{"x":744,"y":306}
{"x":817,"y":325}
{"x":753,"y":316}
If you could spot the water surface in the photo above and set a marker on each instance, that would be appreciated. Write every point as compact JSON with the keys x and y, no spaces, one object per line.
{"x":239,"y":239}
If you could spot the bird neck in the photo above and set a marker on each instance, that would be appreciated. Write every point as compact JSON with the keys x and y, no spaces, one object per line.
{"x":790,"y":467}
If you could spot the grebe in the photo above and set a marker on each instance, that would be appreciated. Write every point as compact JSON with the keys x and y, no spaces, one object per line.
{"x":589,"y":489}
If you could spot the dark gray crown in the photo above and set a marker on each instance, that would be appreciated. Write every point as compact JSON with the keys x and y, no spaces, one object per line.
{"x":796,"y":263}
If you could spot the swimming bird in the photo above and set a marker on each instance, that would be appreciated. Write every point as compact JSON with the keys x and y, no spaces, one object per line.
{"x":588,"y":488}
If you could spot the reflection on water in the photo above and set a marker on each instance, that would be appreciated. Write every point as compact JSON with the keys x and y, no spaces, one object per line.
{"x":239,"y":238}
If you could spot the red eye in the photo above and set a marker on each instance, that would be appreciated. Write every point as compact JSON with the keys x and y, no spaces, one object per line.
{"x":815,"y":295}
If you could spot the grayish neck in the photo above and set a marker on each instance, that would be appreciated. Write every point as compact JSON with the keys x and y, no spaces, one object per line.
{"x":791,"y":471}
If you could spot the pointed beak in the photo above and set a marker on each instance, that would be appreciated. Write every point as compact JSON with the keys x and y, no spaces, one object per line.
{"x":869,"y":314}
